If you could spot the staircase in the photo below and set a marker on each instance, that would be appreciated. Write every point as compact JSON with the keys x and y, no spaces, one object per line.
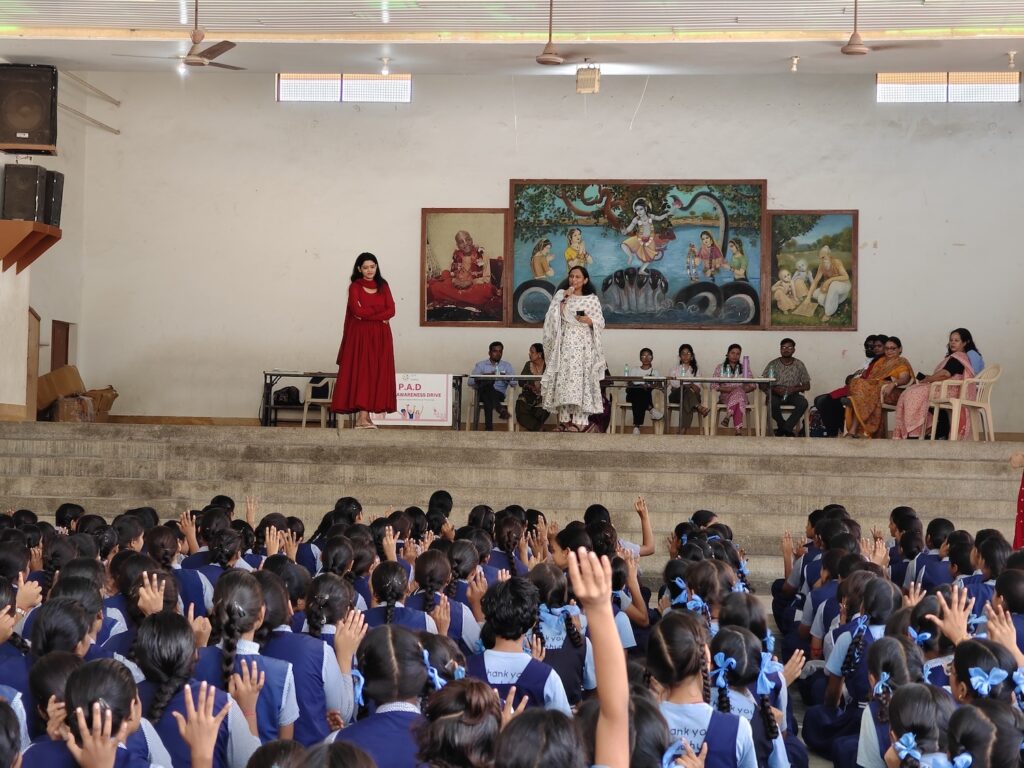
{"x":761,"y":487}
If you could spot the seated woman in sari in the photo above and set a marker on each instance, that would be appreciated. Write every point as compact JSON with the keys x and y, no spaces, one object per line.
{"x":864,"y":412}
{"x":529,"y":412}
{"x":912,"y":408}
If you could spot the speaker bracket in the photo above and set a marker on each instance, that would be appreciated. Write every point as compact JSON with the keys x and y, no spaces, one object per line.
{"x":22,"y":242}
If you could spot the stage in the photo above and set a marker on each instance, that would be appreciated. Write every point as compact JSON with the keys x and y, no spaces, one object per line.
{"x":760,"y":486}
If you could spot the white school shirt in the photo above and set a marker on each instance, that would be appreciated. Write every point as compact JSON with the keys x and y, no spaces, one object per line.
{"x":742,"y":703}
{"x":241,"y":741}
{"x":504,"y":668}
{"x":158,"y":754}
{"x":690,"y":722}
{"x":834,"y":665}
{"x":911,"y":575}
{"x":867,"y":744}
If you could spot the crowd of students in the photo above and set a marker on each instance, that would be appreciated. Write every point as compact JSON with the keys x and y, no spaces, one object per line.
{"x":229,"y":640}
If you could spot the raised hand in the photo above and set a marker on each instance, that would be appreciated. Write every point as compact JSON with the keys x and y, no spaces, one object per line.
{"x":8,"y":619}
{"x":56,"y":719}
{"x":201,"y":627}
{"x":290,"y":544}
{"x":795,"y":665}
{"x":252,"y":508}
{"x":689,"y":759}
{"x":99,"y":743}
{"x":640,"y":506}
{"x":504,"y":575}
{"x":953,"y":623}
{"x":272,"y":541}
{"x":915,"y":593}
{"x":151,"y":594}
{"x":537,"y":649}
{"x":508,"y":711}
{"x":442,"y":615}
{"x":30,"y":594}
{"x":390,"y":545}
{"x":448,"y":530}
{"x":348,"y":634}
{"x":199,"y":726}
{"x":1001,"y":630}
{"x":591,"y":580}
{"x":245,"y":687}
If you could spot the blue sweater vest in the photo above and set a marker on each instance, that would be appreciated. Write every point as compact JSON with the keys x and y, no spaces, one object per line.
{"x":388,"y":738}
{"x":403,"y":617}
{"x":306,"y":655}
{"x":167,"y":727}
{"x":268,"y":705}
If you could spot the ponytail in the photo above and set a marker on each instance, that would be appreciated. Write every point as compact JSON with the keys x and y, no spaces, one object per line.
{"x":237,"y":600}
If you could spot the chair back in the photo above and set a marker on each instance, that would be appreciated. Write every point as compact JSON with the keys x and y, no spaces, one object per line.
{"x":307,"y":391}
{"x":984,"y":382}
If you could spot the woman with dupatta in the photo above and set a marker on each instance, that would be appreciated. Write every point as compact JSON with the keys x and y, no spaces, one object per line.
{"x":575,"y":356}
{"x":864,"y":411}
{"x":912,"y":408}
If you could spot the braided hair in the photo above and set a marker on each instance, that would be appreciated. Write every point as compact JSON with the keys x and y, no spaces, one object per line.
{"x":923,"y":712}
{"x":676,"y":651}
{"x":225,"y":547}
{"x":162,"y":545}
{"x":275,"y":604}
{"x":742,"y":646}
{"x":704,"y":580}
{"x":237,"y":602}
{"x":7,"y":604}
{"x":464,"y":561}
{"x":165,"y":650}
{"x":337,"y":556}
{"x":56,"y":553}
{"x":389,"y":584}
{"x":433,"y":574}
{"x":881,"y":599}
{"x":328,"y":601}
{"x":508,"y":532}
{"x":889,"y":666}
{"x":553,"y":589}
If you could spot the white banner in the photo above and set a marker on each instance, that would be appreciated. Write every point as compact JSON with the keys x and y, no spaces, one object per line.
{"x":424,"y":400}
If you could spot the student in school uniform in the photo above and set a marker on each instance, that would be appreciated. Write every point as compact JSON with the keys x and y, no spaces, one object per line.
{"x":393,"y":674}
{"x":935,"y":647}
{"x":676,"y":661}
{"x":238,"y":613}
{"x":323,"y":679}
{"x":935,"y":536}
{"x":211,"y":521}
{"x":737,"y":664}
{"x":511,"y":609}
{"x":434,"y":578}
{"x":784,"y":590}
{"x":165,"y":651}
{"x":508,"y":535}
{"x":566,"y":649}
{"x":846,"y":667}
{"x":989,"y":557}
{"x":918,"y":720}
{"x":389,"y":586}
{"x":225,"y":554}
{"x":194,"y":588}
{"x":13,"y":700}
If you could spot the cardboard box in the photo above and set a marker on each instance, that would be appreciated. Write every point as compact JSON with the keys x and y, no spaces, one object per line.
{"x":79,"y":408}
{"x":102,"y":399}
{"x":63,"y":382}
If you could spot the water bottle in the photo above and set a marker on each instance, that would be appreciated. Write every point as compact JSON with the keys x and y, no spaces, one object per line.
{"x":746,"y":366}
{"x":771,"y":372}
{"x":625,"y":370}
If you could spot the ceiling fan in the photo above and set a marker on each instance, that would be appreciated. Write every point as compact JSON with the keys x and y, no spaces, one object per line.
{"x":195,"y":57}
{"x":855,"y":45}
{"x":550,"y":56}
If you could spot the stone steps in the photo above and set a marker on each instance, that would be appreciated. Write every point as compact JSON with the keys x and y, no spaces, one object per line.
{"x":760,"y":487}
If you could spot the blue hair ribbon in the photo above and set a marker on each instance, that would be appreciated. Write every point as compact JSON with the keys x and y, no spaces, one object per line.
{"x":553,"y":619}
{"x":1018,"y":681}
{"x":478,"y":646}
{"x":883,"y":684}
{"x":765,"y":685}
{"x":714,"y":537}
{"x":906,"y":746}
{"x":769,"y":641}
{"x":919,"y":638}
{"x":684,"y":593}
{"x":459,"y":673}
{"x":722,"y":665}
{"x":696,"y":605}
{"x":432,"y":674}
{"x":963,"y":760}
{"x":975,"y":621}
{"x":744,"y":569}
{"x":358,"y":681}
{"x":739,"y":588}
{"x":683,"y":539}
{"x":984,"y":683}
{"x":860,"y":625}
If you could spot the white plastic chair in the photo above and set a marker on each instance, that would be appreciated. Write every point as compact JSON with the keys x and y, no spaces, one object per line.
{"x":323,"y":403}
{"x":974,"y":396}
{"x":621,"y":408}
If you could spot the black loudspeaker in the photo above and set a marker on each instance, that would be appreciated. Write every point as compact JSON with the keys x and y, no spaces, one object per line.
{"x":54,"y":196}
{"x":24,"y":193}
{"x":28,"y":109}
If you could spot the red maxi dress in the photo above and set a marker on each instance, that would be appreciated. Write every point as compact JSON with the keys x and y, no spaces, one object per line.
{"x":366,"y":360}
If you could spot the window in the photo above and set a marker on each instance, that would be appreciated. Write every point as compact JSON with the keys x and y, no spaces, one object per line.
{"x":337,"y":87}
{"x":389,"y":88}
{"x":943,"y":87}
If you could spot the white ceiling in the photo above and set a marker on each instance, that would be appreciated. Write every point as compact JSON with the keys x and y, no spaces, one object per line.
{"x":491,"y":37}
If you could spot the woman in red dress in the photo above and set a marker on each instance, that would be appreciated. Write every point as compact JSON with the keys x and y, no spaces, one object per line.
{"x":366,"y":360}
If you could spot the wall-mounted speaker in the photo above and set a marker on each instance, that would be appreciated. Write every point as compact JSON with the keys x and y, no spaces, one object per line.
{"x":54,"y":197}
{"x":28,"y":109}
{"x":24,"y":193}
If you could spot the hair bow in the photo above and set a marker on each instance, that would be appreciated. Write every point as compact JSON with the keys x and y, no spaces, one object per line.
{"x":714,"y":537}
{"x":1018,"y":681}
{"x":459,"y":673}
{"x":478,"y":646}
{"x":984,"y":683}
{"x":722,"y":665}
{"x":769,"y":641}
{"x":883,"y":684}
{"x":358,"y":681}
{"x":683,"y":539}
{"x":963,"y":760}
{"x":696,"y":605}
{"x":675,"y":749}
{"x":622,"y":595}
{"x":739,"y":587}
{"x":432,"y":674}
{"x":919,"y":638}
{"x":906,"y":746}
{"x":765,"y":685}
{"x":553,"y":619}
{"x":744,"y":569}
{"x":976,"y":621}
{"x":860,"y":625}
{"x":684,"y":593}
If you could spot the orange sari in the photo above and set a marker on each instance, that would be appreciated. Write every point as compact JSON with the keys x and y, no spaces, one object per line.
{"x":864,"y":416}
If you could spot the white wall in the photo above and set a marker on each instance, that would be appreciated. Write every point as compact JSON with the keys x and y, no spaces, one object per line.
{"x":221,"y":226}
{"x":53,"y":284}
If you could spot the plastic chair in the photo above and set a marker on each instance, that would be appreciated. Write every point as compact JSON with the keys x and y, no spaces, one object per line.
{"x":670,"y":408}
{"x":974,"y":396}
{"x":751,"y":418}
{"x":323,"y":403}
{"x":477,"y":408}
{"x":789,"y":409}
{"x":621,"y":408}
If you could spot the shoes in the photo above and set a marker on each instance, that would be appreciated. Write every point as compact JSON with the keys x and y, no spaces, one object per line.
{"x":503,"y":412}
{"x":656,"y":414}
{"x":636,"y":430}
{"x":739,"y":431}
{"x":725,"y":421}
